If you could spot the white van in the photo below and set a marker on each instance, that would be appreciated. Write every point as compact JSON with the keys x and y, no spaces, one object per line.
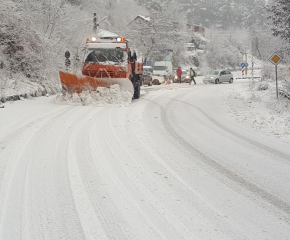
{"x":163,"y":68}
{"x":148,"y":69}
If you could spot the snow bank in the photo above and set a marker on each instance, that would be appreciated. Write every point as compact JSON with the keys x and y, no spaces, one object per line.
{"x":102,"y":97}
{"x":258,"y":105}
{"x":19,"y":87}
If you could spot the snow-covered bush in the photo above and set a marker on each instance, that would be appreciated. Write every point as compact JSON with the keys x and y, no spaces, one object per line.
{"x":261,"y":86}
{"x":268,"y":75}
{"x":285,"y":85}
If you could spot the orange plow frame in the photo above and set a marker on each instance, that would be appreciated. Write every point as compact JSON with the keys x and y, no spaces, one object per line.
{"x":73,"y":83}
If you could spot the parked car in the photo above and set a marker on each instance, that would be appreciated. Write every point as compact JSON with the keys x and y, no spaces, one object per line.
{"x":184,"y":77}
{"x":146,"y":77}
{"x":218,"y":76}
{"x":157,"y":80}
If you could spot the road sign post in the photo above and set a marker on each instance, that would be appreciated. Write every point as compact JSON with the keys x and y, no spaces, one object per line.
{"x":252,"y":68}
{"x":67,"y":61}
{"x":276,"y":59}
{"x":246,"y":64}
{"x":243,"y":68}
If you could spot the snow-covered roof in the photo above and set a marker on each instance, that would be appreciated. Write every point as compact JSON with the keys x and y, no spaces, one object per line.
{"x":106,"y":45}
{"x":189,"y":45}
{"x":145,"y":18}
{"x":104,"y":33}
{"x":201,"y":37}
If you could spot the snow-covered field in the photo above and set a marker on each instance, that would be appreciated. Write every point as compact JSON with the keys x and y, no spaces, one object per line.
{"x":182,"y":162}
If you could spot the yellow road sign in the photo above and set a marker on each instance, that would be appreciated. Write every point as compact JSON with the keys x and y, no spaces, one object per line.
{"x":275,"y":58}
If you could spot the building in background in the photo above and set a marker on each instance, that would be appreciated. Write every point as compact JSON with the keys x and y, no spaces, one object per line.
{"x":196,"y":36}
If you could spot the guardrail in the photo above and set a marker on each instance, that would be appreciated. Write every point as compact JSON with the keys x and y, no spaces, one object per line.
{"x":246,"y":77}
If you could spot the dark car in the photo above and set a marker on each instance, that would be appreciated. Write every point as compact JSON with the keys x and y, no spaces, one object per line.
{"x":146,"y":77}
{"x":184,"y":77}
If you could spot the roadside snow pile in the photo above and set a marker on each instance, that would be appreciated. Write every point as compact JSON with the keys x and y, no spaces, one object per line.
{"x":259,"y":106}
{"x":102,"y":97}
{"x":17,"y":87}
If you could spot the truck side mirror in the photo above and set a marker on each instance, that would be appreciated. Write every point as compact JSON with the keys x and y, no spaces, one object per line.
{"x":129,"y":55}
{"x":134,"y":56}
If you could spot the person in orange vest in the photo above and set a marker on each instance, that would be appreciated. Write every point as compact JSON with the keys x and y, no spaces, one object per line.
{"x":179,"y":73}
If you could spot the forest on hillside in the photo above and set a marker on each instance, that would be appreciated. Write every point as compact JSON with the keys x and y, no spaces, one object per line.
{"x":34,"y":34}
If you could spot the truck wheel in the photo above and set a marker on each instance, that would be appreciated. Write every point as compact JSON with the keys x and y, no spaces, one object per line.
{"x":137,"y":82}
{"x":155,"y":82}
{"x":136,"y":92}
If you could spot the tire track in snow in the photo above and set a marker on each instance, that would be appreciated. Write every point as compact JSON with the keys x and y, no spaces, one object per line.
{"x":15,"y":183}
{"x":114,"y":181}
{"x":154,"y":212}
{"x":22,"y":118}
{"x":20,"y":127}
{"x":52,"y":209}
{"x":267,"y":149}
{"x":15,"y":138}
{"x":114,"y":205}
{"x":80,"y":171}
{"x":26,"y":122}
{"x":198,"y":206}
{"x":194,"y":214}
{"x":256,"y":190}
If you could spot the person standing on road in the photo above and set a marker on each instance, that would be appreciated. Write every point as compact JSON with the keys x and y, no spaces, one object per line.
{"x":179,"y":73}
{"x":192,"y":75}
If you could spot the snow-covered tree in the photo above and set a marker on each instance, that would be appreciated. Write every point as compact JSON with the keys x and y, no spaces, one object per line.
{"x":20,"y":46}
{"x":280,"y":17}
{"x":222,"y":50}
{"x":160,"y":33}
{"x":224,"y":14}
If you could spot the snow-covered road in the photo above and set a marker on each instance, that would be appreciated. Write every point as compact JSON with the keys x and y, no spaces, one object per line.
{"x":175,"y":164}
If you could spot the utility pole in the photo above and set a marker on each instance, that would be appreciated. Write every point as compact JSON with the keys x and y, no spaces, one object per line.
{"x":246,"y":61}
{"x":252,"y":67}
{"x":95,"y":22}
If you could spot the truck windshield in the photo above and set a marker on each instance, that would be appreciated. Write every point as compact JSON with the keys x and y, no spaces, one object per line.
{"x":105,"y":54}
{"x":159,"y":68}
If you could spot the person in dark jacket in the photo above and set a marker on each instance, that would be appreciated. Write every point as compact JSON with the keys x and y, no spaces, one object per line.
{"x":179,"y":73}
{"x":192,"y":75}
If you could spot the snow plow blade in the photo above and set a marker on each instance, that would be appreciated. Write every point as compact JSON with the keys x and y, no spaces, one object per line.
{"x":77,"y":83}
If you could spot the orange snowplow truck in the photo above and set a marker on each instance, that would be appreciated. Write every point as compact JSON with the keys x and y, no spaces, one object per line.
{"x":107,"y":61}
